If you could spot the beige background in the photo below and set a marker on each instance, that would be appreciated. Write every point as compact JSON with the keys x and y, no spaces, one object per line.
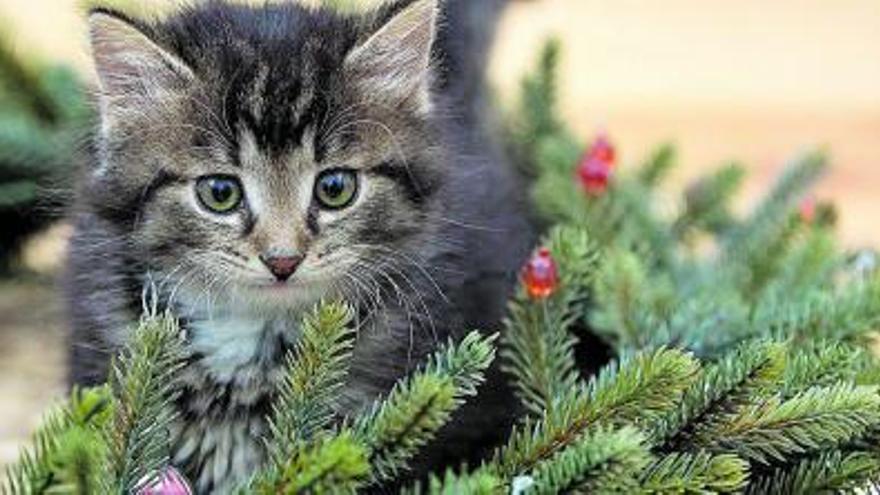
{"x":754,"y":80}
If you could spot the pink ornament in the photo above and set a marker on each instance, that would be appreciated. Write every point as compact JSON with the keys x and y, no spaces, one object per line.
{"x":170,"y":483}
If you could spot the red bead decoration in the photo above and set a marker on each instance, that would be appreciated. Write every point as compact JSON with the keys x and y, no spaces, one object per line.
{"x":807,"y":210}
{"x":603,"y":150}
{"x":540,"y":275}
{"x":594,"y":175}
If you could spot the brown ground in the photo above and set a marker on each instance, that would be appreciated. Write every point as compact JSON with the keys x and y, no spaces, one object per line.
{"x":752,"y":80}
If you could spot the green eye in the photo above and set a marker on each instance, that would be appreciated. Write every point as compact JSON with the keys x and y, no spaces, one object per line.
{"x":220,"y":194}
{"x":336,"y":189}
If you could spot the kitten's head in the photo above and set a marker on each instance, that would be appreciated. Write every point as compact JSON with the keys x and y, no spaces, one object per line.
{"x":267,"y":155}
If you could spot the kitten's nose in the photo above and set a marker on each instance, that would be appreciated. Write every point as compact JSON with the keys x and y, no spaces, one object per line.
{"x":283,"y":267}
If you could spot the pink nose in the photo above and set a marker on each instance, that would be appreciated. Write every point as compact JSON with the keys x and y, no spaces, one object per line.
{"x":283,"y":267}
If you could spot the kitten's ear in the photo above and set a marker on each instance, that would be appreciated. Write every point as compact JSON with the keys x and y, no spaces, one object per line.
{"x":395,"y":62}
{"x":131,"y":67}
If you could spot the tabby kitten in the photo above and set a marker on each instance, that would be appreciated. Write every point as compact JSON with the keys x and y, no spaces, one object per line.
{"x":251,"y":161}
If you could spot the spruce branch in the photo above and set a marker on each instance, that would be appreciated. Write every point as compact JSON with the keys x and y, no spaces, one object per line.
{"x":329,"y":464}
{"x":142,"y":383}
{"x":539,"y":99}
{"x":602,"y":462}
{"x":697,"y":473}
{"x":773,"y":430}
{"x":707,"y":202}
{"x":315,"y":373}
{"x":823,"y":364}
{"x":848,"y":314}
{"x":394,"y":429}
{"x":78,"y":462}
{"x":808,"y":266}
{"x":52,"y":456}
{"x":621,"y":299}
{"x":479,"y":482}
{"x":538,"y":346}
{"x":657,"y":166}
{"x":830,"y":472}
{"x":22,"y":82}
{"x":639,"y":390}
{"x":752,"y":250}
{"x":744,"y":376}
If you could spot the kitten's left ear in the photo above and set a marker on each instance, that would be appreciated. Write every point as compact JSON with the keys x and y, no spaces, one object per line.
{"x":395,"y":62}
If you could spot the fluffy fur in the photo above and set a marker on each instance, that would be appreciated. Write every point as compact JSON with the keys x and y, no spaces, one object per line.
{"x":272,"y":96}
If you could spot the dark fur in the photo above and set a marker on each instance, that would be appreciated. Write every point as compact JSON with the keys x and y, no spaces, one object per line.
{"x":450,"y":202}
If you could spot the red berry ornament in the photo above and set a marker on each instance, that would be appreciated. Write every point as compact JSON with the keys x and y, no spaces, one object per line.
{"x":540,"y":275}
{"x":603,"y":150}
{"x":807,"y":210}
{"x":594,"y":175}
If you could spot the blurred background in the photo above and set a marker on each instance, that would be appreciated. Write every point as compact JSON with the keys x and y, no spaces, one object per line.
{"x":749,"y":81}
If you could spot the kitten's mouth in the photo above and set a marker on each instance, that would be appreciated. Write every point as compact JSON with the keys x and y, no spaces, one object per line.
{"x":274,"y":285}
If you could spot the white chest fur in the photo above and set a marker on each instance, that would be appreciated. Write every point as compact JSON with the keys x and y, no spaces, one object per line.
{"x":229,"y":344}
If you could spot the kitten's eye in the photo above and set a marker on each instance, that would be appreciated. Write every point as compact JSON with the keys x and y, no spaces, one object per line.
{"x":336,"y":189}
{"x":220,"y":194}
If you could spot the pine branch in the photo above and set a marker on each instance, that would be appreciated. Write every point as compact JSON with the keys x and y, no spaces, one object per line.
{"x":605,"y":461}
{"x":537,"y":346}
{"x":658,"y":166}
{"x":697,"y":473}
{"x":747,"y":375}
{"x":78,"y":462}
{"x":316,"y":372}
{"x":752,"y":250}
{"x":639,"y":390}
{"x":20,"y":80}
{"x":823,"y":364}
{"x":708,"y":322}
{"x":707,"y":202}
{"x":810,"y":265}
{"x":480,"y":482}
{"x":42,"y":467}
{"x":830,"y":472}
{"x":395,"y":429}
{"x":329,"y":464}
{"x":621,"y":299}
{"x":142,"y":380}
{"x":539,"y":99}
{"x":773,"y":430}
{"x":27,"y":151}
{"x":848,"y":314}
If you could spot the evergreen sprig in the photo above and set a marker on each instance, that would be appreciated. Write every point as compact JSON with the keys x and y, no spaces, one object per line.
{"x":538,"y":344}
{"x":829,"y":472}
{"x":61,"y":455}
{"x":142,"y":382}
{"x":774,"y":430}
{"x":328,"y":464}
{"x":693,"y":473}
{"x":395,"y":428}
{"x":602,"y":462}
{"x":315,"y":373}
{"x":639,"y":390}
{"x":749,"y":374}
{"x":43,"y":116}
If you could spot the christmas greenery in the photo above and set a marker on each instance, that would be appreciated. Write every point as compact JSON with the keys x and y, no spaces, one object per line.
{"x":743,"y":360}
{"x":42,"y":115}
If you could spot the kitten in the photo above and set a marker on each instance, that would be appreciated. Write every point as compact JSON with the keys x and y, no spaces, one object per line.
{"x":251,"y":161}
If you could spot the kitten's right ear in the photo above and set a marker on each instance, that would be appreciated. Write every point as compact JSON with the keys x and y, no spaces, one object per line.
{"x":131,"y":67}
